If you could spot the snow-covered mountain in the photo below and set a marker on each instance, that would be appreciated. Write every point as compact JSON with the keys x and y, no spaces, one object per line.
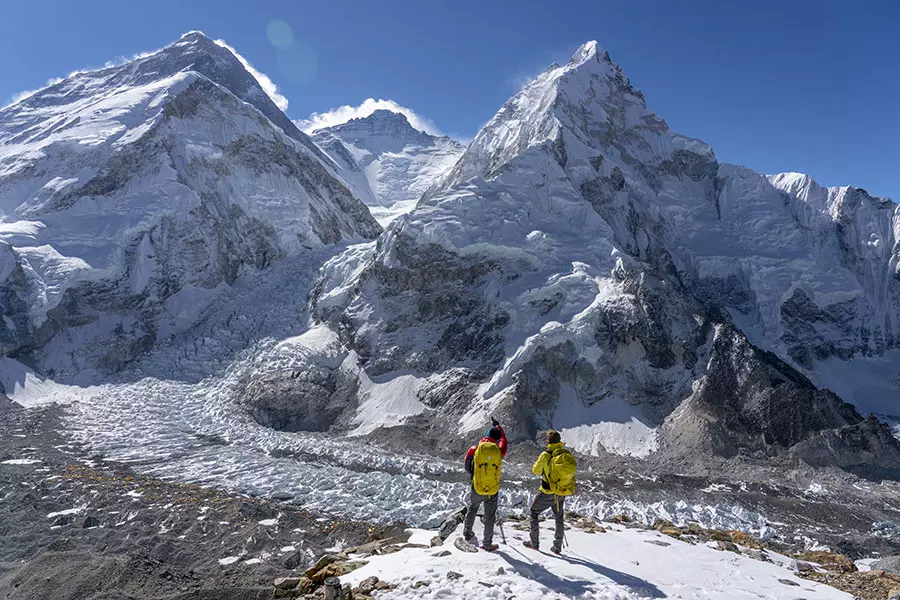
{"x":129,"y":195}
{"x":386,"y":162}
{"x":584,"y":267}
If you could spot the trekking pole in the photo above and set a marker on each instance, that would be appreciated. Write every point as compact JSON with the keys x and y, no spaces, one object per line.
{"x":500,"y":520}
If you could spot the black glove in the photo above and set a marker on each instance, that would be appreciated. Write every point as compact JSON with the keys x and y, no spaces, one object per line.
{"x":495,"y":422}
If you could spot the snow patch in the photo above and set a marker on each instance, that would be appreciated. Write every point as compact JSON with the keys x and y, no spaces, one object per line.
{"x":386,"y":401}
{"x":619,"y":564}
{"x":611,"y":424}
{"x":27,"y":388}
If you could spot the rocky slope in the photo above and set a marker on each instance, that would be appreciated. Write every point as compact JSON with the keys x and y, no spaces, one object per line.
{"x":129,"y":195}
{"x":386,"y":162}
{"x":584,"y":267}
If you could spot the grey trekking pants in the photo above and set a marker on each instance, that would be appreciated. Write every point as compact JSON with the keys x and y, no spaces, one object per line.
{"x":490,"y":515}
{"x":541,"y":503}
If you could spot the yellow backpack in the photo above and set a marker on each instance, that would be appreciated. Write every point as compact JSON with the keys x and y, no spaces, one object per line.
{"x":561,"y":472}
{"x":488,"y":464}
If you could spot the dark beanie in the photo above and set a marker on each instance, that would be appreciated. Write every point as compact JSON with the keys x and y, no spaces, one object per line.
{"x":553,"y":437}
{"x":495,"y":433}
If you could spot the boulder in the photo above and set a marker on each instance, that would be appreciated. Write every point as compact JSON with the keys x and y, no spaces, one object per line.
{"x":335,"y":569}
{"x":284,"y":583}
{"x":368,"y":585}
{"x":801,"y":566}
{"x":323,"y":562}
{"x":829,"y":560}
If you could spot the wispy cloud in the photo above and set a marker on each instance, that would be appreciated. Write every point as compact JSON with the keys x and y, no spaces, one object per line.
{"x":28,"y":93}
{"x":342,"y":114}
{"x":265,"y":83}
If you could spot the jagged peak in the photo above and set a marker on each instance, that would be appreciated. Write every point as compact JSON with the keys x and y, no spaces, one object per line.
{"x":383,"y":115}
{"x":589,"y":51}
{"x":587,"y":96}
{"x":195,"y":35}
{"x":193,"y":52}
{"x":379,"y":122}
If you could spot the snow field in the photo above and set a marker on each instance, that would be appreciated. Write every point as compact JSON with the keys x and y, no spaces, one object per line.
{"x":617,"y":565}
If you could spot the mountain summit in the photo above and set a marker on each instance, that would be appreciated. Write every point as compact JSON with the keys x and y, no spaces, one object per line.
{"x":386,"y":161}
{"x":585,"y":268}
{"x":122,"y":188}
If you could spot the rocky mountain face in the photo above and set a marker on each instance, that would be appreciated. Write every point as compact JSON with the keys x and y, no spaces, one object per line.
{"x":130,"y":195}
{"x":386,"y":162}
{"x":578,"y":266}
{"x":584,"y":267}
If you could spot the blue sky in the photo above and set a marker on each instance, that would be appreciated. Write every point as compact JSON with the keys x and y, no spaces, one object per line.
{"x":811,"y":86}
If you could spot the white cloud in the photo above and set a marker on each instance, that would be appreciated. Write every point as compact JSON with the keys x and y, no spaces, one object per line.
{"x":265,"y":83}
{"x":342,"y":114}
{"x":19,"y":97}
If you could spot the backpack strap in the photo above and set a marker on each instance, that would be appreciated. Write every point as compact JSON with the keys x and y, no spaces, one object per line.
{"x":545,"y":479}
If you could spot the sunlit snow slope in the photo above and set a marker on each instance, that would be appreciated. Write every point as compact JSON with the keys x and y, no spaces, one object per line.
{"x":621,"y":564}
{"x":387,"y":163}
{"x":129,"y":195}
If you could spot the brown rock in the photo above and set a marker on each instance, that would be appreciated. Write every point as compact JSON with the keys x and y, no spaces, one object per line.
{"x":369,"y":548}
{"x":801,"y":566}
{"x":746,"y":540}
{"x":729,"y":546}
{"x":589,"y":525}
{"x":335,"y":569}
{"x":718,"y":536}
{"x":305,"y":586}
{"x":323,"y":562}
{"x":829,"y":560}
{"x":756,"y":554}
{"x":368,"y":585}
{"x":286,"y":582}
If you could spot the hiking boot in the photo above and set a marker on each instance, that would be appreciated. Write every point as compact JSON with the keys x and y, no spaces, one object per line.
{"x":528,"y":544}
{"x":469,"y":536}
{"x":556,"y":550}
{"x":489,"y":547}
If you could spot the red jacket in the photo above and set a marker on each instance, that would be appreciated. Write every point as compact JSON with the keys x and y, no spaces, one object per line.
{"x":503,"y":444}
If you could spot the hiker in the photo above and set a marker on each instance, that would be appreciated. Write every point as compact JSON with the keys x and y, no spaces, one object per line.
{"x":484,"y":463}
{"x":556,"y":466}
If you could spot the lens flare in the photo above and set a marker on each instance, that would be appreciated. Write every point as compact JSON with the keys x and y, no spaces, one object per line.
{"x":280,"y":34}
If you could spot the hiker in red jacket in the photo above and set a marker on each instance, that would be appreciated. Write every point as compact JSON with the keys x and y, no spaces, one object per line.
{"x":486,"y":489}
